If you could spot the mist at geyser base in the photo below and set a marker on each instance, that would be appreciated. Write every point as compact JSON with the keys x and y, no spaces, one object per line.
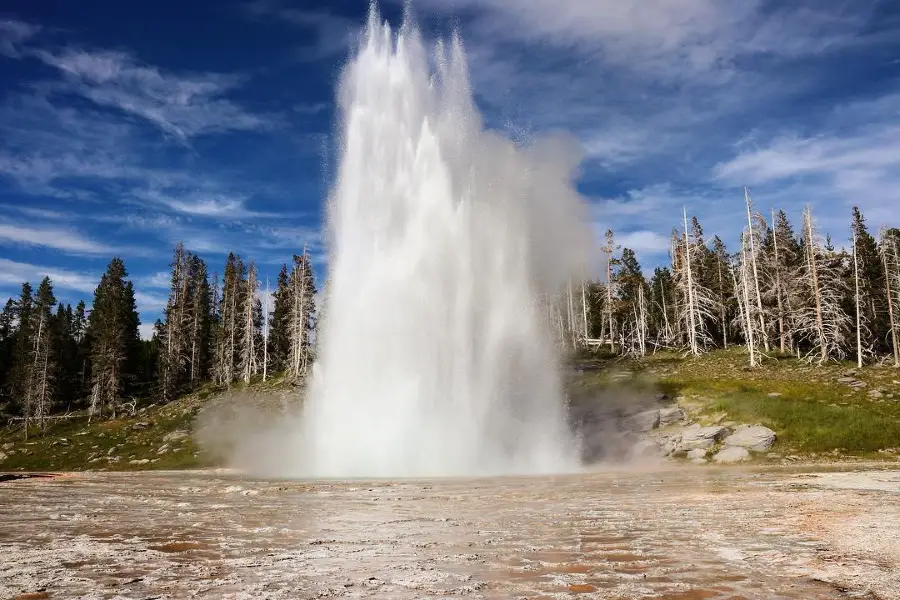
{"x":435,"y":354}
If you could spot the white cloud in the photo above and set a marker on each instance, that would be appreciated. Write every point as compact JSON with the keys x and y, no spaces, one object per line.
{"x":147,"y":302}
{"x":16,"y":273}
{"x":146,"y":331}
{"x":49,"y":237}
{"x":12,"y":34}
{"x":181,"y":105}
{"x":644,"y":241}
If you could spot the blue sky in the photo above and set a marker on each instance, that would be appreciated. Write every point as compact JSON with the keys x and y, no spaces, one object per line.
{"x":125,"y":127}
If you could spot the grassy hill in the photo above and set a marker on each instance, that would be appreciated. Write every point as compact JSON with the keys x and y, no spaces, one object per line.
{"x":817,"y":412}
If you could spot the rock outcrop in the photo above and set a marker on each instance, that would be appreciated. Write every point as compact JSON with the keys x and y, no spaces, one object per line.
{"x":753,"y":438}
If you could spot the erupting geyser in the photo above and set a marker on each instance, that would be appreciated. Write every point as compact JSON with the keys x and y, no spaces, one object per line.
{"x":435,"y":350}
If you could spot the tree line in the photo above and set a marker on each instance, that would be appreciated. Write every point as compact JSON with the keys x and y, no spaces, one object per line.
{"x":58,"y":359}
{"x":782,"y":291}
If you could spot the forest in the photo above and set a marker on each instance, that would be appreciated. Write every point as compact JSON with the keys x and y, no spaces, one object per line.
{"x":56,"y":359}
{"x":783,"y":292}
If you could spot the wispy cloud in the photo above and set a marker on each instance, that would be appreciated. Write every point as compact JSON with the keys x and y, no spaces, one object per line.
{"x":13,"y":273}
{"x":51,"y":237}
{"x":331,"y":33}
{"x":182,"y":105}
{"x":12,"y":34}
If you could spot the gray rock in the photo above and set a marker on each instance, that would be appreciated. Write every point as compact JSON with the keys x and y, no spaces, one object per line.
{"x":847,"y":380}
{"x":876,"y":394}
{"x":3,"y":456}
{"x":670,"y":416}
{"x":139,"y":461}
{"x":697,"y":453}
{"x":646,"y":449}
{"x":774,"y":394}
{"x":175,"y":436}
{"x":731,"y":454}
{"x":111,"y":450}
{"x":859,"y":384}
{"x":142,"y":425}
{"x":756,"y":438}
{"x":695,"y":436}
{"x":7,"y":446}
{"x":643,"y":421}
{"x":163,"y":449}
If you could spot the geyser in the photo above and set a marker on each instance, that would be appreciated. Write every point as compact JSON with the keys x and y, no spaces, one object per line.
{"x":435,"y":351}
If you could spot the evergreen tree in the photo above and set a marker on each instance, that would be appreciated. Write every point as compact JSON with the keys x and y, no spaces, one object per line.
{"x":19,"y":378}
{"x":115,"y":341}
{"x":279,"y":340}
{"x":41,"y":368}
{"x":873,"y":303}
{"x":7,"y":350}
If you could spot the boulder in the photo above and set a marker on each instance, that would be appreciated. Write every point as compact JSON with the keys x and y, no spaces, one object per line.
{"x":3,"y":456}
{"x":139,"y":461}
{"x":670,"y":416}
{"x":774,"y":394}
{"x":7,"y":446}
{"x":646,"y":449}
{"x":642,"y":421}
{"x":731,"y":454}
{"x":175,"y":436}
{"x":755,"y":439}
{"x":142,"y":425}
{"x":847,"y":380}
{"x":694,"y":436}
{"x":696,"y":453}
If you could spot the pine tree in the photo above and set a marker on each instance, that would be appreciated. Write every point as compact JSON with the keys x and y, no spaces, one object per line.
{"x":889,"y":248}
{"x":173,"y":336}
{"x":199,"y":321}
{"x":781,"y":262}
{"x":609,"y":250}
{"x":7,"y":350}
{"x":873,"y":305}
{"x":821,"y":317}
{"x":115,"y":341}
{"x":302,"y":311}
{"x":279,"y":341}
{"x":249,"y":320}
{"x":21,"y":370}
{"x":42,"y":364}
{"x":229,"y":334}
{"x":719,"y":282}
{"x":696,"y":300}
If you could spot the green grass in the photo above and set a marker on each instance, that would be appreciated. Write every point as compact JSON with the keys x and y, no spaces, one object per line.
{"x":812,"y":413}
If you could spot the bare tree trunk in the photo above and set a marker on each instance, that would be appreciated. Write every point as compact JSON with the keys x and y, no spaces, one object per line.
{"x":584,"y":310}
{"x":722,"y":311}
{"x":692,"y":314}
{"x":266,"y":334}
{"x":817,"y":291}
{"x":859,"y":356}
{"x":744,"y":306}
{"x":781,"y":333}
{"x":762,"y":322}
{"x":665,"y":311}
{"x":887,"y":280}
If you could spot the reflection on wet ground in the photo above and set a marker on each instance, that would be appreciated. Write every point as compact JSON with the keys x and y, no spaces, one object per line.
{"x":676,"y":534}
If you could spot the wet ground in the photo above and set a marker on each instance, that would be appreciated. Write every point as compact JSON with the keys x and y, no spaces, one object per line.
{"x":672,"y":533}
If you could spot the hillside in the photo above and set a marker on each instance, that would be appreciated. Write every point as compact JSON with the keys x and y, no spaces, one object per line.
{"x":818,"y":413}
